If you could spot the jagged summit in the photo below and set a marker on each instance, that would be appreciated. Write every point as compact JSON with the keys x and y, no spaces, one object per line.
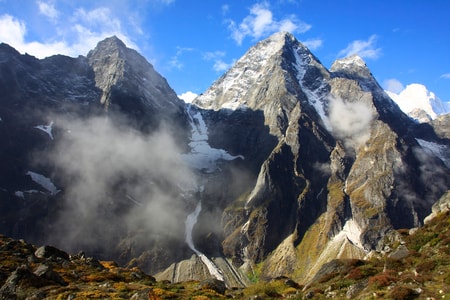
{"x":272,"y":77}
{"x":351,"y":61}
{"x":352,"y":67}
{"x":122,"y":73}
{"x":110,"y":44}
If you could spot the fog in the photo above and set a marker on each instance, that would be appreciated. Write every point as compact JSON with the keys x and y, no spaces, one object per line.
{"x":117,"y":181}
{"x":350,"y":121}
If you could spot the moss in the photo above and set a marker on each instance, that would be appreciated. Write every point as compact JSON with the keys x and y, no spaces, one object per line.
{"x":335,"y":194}
{"x":270,"y":289}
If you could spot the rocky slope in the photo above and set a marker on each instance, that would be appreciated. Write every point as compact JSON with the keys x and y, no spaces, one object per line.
{"x":414,"y":264}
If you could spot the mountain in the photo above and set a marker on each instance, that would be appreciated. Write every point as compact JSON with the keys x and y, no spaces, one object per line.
{"x":419,"y":103}
{"x":81,"y":138}
{"x":281,"y":166}
{"x":341,"y":170}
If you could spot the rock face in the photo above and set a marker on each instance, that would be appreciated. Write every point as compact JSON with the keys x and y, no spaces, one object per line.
{"x":341,"y":153}
{"x":130,"y":83}
{"x":301,"y":164}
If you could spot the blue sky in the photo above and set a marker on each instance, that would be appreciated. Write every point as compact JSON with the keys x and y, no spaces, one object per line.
{"x":192,"y":43}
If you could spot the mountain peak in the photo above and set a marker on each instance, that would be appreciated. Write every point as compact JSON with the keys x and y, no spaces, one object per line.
{"x":352,"y":61}
{"x":233,"y":89}
{"x":112,"y":42}
{"x":109,"y":46}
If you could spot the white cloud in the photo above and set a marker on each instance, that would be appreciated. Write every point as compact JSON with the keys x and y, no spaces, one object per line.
{"x":351,"y":121}
{"x":393,"y":85}
{"x":188,"y":96}
{"x":219,"y":64}
{"x":48,"y":10}
{"x":445,"y":76}
{"x":12,"y":30}
{"x":313,"y":44}
{"x":213,"y":55}
{"x":75,"y":34}
{"x":175,"y":62}
{"x":365,"y":49}
{"x":98,"y":18}
{"x":260,"y":22}
{"x":225,"y":9}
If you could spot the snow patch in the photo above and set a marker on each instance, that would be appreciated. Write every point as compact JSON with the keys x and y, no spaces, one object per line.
{"x":191,"y":220}
{"x":43,"y":181}
{"x":352,"y":232}
{"x":21,"y":194}
{"x":350,"y":62}
{"x":315,"y":97}
{"x":134,"y":200}
{"x":46,"y":128}
{"x":202,"y":155}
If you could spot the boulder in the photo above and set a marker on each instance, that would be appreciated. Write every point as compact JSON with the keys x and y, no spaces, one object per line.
{"x":50,"y":252}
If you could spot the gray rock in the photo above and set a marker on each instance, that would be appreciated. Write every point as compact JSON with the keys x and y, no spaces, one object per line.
{"x":46,"y":271}
{"x":399,"y":253}
{"x":213,"y":284}
{"x":51,"y":252}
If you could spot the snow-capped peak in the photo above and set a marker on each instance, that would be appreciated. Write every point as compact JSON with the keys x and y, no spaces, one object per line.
{"x":417,"y":97}
{"x":353,"y":60}
{"x":229,"y":90}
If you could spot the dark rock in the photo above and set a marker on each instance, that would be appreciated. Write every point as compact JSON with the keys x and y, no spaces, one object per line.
{"x":213,"y":284}
{"x":46,"y":271}
{"x":51,"y":252}
{"x":292,"y":283}
{"x":20,"y":282}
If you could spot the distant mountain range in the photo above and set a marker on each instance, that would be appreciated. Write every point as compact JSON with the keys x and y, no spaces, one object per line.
{"x":278,"y":168}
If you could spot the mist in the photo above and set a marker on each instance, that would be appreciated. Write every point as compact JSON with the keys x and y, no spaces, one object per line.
{"x":350,"y":121}
{"x":117,"y":182}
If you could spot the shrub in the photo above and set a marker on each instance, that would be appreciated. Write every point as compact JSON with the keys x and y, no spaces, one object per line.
{"x":382,"y":280}
{"x":355,"y":274}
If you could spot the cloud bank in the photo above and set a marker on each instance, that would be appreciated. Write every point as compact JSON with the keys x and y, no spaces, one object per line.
{"x":118,"y":181}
